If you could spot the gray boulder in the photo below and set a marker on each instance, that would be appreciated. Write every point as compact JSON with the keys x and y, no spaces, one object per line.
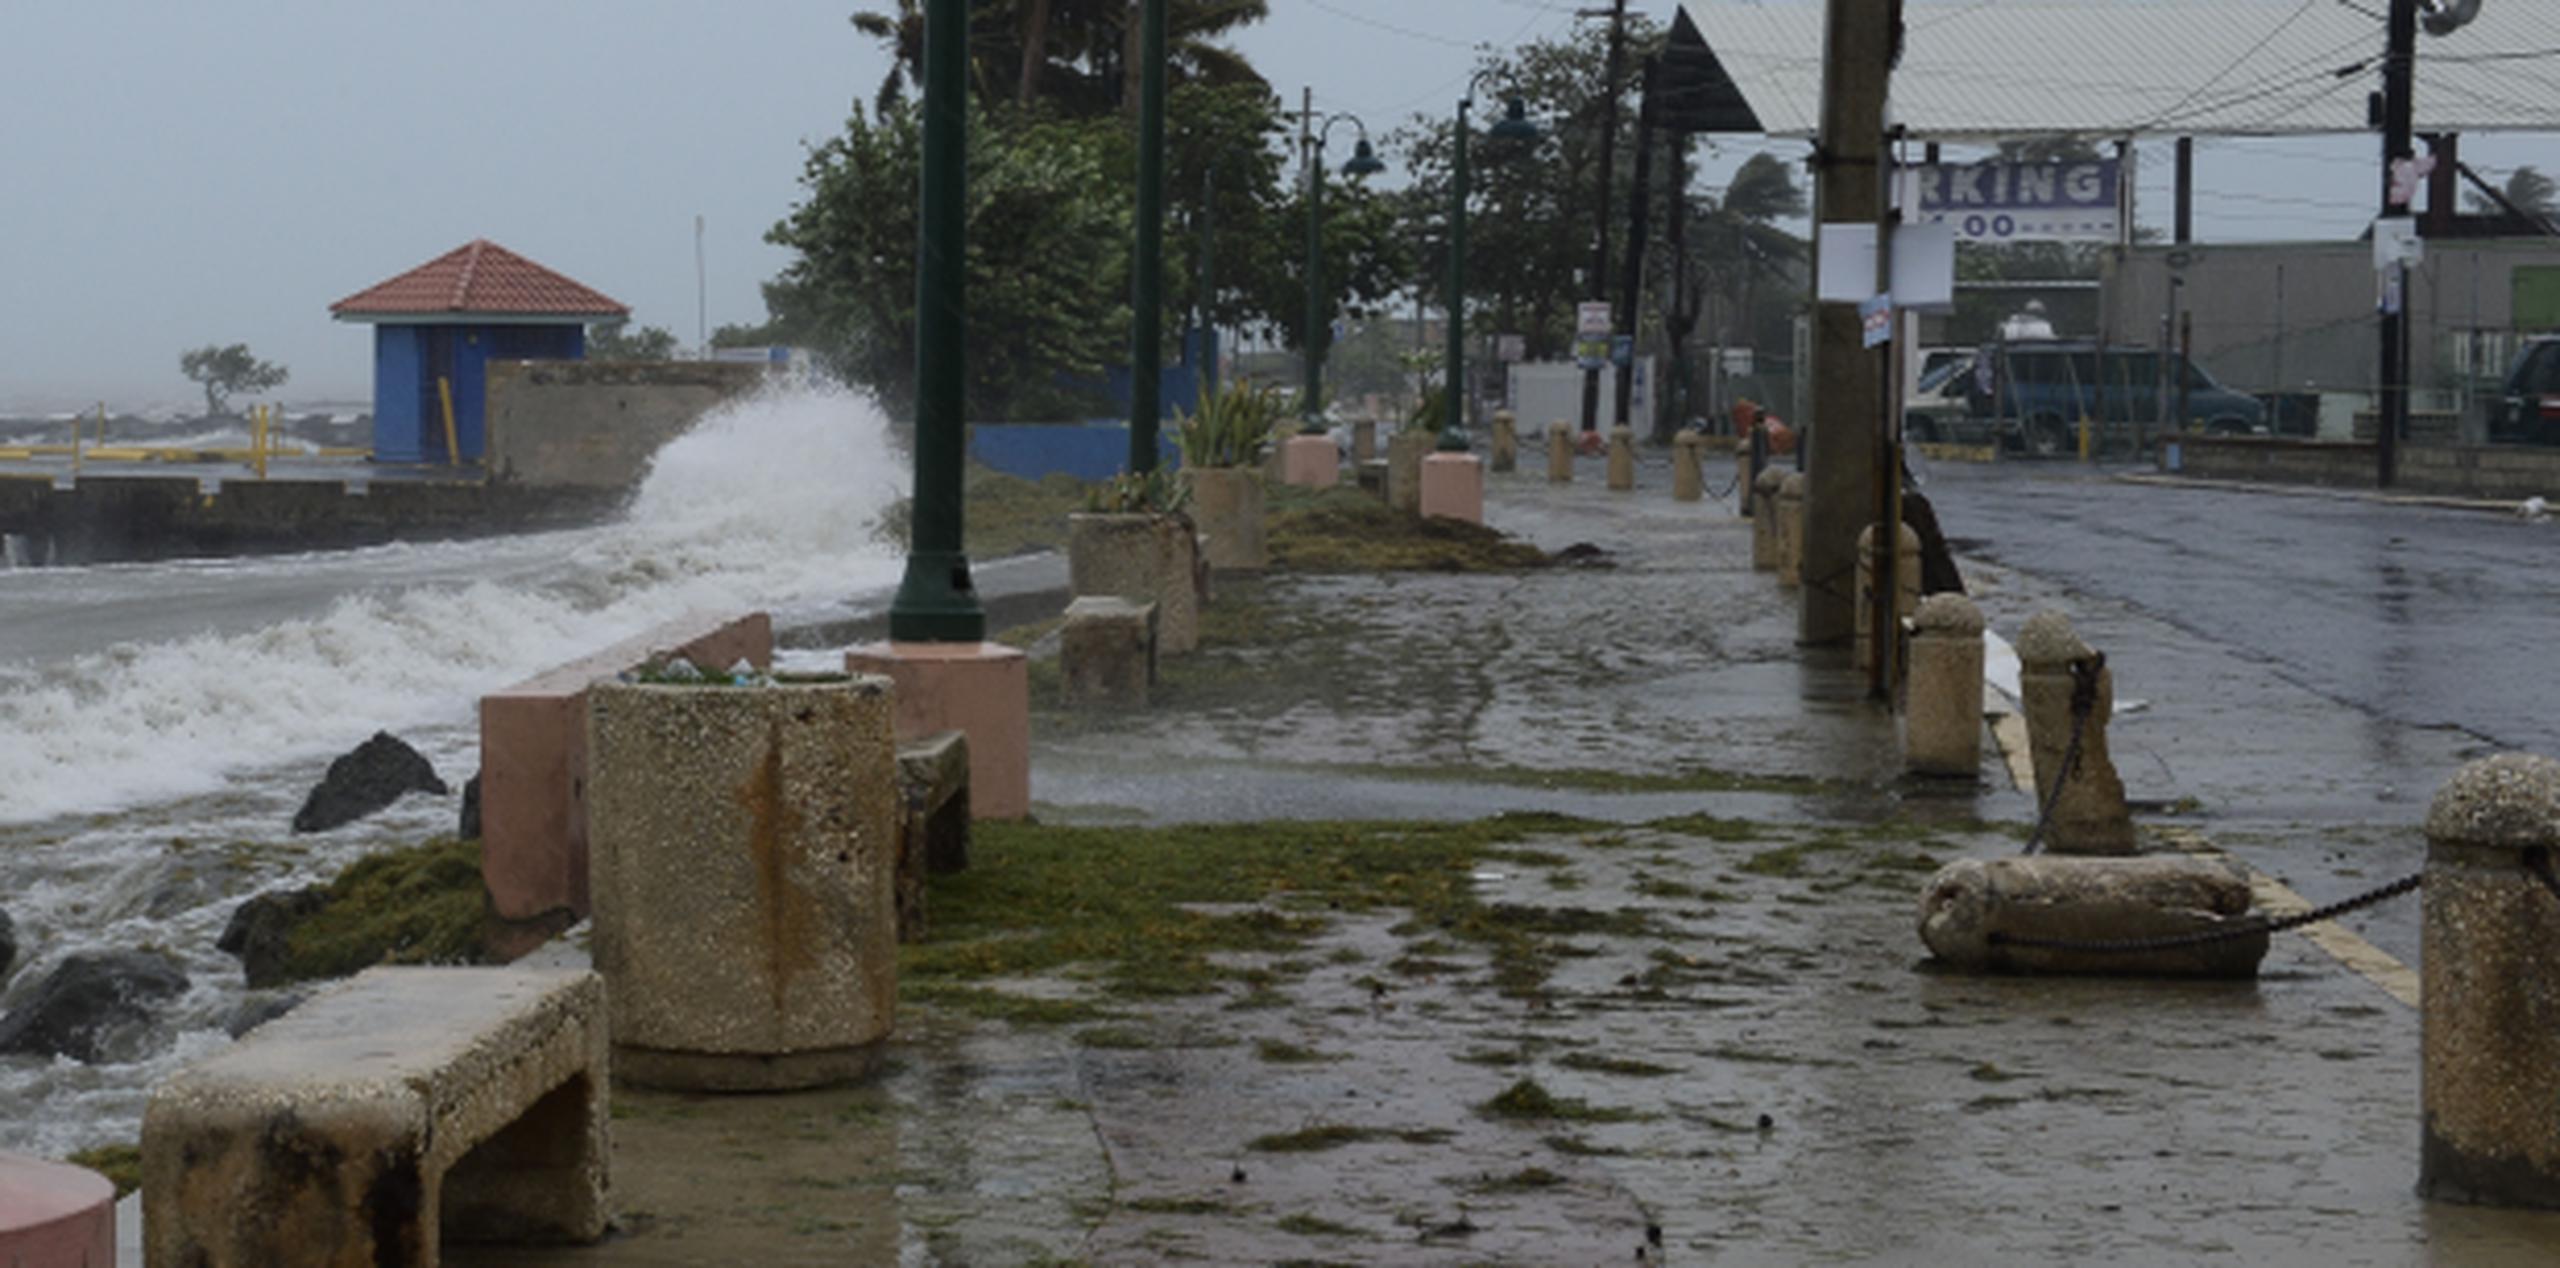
{"x":93,"y":1007}
{"x":365,"y":780}
{"x":469,"y":828}
{"x":261,"y":927}
{"x":8,"y":946}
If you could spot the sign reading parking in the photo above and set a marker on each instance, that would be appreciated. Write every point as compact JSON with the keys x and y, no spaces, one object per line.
{"x":2021,"y":202}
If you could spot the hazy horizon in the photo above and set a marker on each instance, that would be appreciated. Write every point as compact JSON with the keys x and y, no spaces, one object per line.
{"x":186,"y":175}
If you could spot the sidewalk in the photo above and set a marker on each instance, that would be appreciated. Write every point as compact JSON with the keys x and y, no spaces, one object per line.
{"x":1692,"y":1024}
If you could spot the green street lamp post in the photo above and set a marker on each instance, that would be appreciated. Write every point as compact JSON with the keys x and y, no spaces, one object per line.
{"x":1364,"y":162}
{"x":1146,"y":361}
{"x":1515,"y":126}
{"x":936,"y":601}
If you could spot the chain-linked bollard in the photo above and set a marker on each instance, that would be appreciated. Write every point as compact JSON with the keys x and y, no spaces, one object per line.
{"x":1622,"y":459}
{"x":2490,"y":959}
{"x":1791,"y":530}
{"x":1559,"y":453}
{"x":1764,"y":518}
{"x":2078,"y":915}
{"x":1906,"y":589}
{"x":1506,"y":441}
{"x":1688,"y":467}
{"x":1942,"y":711}
{"x":2069,"y":694}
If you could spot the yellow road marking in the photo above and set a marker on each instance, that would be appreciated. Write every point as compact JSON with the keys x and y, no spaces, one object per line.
{"x":2272,"y":896}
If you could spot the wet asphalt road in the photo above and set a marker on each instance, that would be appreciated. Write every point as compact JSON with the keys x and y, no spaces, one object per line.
{"x":2312,"y":668}
{"x":2424,"y":616}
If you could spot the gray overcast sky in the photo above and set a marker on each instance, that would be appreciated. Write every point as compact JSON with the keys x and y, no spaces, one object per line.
{"x":175,"y":175}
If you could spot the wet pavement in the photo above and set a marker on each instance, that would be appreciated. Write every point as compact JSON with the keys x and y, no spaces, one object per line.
{"x":1739,"y":1054}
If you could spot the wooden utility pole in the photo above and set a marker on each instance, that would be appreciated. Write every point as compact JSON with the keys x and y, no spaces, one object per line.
{"x":1848,"y":399}
{"x":2392,"y":408}
{"x":1598,"y":287}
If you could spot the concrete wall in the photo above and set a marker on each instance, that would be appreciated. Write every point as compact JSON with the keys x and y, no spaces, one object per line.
{"x":596,"y":424}
{"x":2494,"y":472}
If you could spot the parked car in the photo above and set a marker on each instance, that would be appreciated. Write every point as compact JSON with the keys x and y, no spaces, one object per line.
{"x":2528,"y":409}
{"x":2037,"y":393}
{"x":1939,"y":408}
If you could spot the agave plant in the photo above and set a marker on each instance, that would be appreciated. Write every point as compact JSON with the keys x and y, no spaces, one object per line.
{"x":1154,"y":492}
{"x":1230,"y":427}
{"x":1430,"y":412}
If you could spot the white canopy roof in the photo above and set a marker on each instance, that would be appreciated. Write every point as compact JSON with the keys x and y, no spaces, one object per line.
{"x":1978,"y":70}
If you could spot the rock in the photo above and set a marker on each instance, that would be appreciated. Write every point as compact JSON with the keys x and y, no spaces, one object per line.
{"x":469,"y":829}
{"x":8,"y":946}
{"x":366,"y":780}
{"x":258,"y":1011}
{"x":260,"y":927}
{"x":90,"y":1004}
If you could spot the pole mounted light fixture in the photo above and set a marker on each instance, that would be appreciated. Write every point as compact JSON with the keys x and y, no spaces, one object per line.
{"x":1513,"y":127}
{"x":1364,"y":161}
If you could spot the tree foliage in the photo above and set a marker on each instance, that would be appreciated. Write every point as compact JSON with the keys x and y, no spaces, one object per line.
{"x":2528,"y":191}
{"x":225,"y":370}
{"x":613,"y":341}
{"x":1078,"y":56}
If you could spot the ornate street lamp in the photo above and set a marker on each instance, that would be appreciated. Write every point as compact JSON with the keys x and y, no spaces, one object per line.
{"x":1146,"y":360}
{"x":1515,"y":126}
{"x":936,"y":600}
{"x":1364,"y":162}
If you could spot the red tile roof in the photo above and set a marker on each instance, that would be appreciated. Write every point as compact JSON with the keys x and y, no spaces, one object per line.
{"x":479,"y":278}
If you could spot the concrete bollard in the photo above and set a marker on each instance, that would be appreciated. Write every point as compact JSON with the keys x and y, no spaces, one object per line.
{"x":1310,"y":461}
{"x":1405,"y":451}
{"x":1559,"y":453}
{"x":1226,"y":505}
{"x":1506,"y":441}
{"x":1453,"y":487}
{"x":2489,"y":953}
{"x":2090,"y":815}
{"x":1972,"y":904}
{"x":1364,"y":441}
{"x":1906,"y":591}
{"x":1942,"y":707}
{"x":1790,"y":517}
{"x":1688,"y":467}
{"x":1622,"y":459}
{"x":1764,"y":518}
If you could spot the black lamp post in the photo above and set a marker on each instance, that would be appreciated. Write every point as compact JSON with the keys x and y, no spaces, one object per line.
{"x":1146,"y":359}
{"x":1515,"y":126}
{"x":1364,"y":162}
{"x":936,"y":601}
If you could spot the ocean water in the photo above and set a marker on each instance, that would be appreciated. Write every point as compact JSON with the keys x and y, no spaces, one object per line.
{"x":160,"y":723}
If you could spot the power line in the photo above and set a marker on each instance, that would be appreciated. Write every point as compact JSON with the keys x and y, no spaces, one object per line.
{"x":2254,"y":49}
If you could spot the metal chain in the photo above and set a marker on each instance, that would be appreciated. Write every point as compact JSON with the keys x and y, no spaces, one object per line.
{"x":2248,"y":929}
{"x":2084,"y":701}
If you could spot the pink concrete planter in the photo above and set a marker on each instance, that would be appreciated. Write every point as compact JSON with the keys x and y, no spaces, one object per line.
{"x":983,"y":691}
{"x":1453,"y":487}
{"x":54,"y":1215}
{"x":1311,"y":461}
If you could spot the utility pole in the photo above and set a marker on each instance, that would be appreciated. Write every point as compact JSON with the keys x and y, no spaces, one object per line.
{"x":1848,"y":401}
{"x":1640,"y":201}
{"x":2392,"y":409}
{"x":1598,"y":287}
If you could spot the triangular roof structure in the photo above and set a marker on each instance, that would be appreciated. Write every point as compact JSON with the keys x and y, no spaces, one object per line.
{"x":1981,"y":71}
{"x":480,"y":280}
{"x":1695,"y":93}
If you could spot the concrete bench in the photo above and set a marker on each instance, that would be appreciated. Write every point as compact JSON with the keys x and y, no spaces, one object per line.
{"x":533,"y":772}
{"x":385,"y":1115}
{"x":1107,"y":652}
{"x":933,"y":834}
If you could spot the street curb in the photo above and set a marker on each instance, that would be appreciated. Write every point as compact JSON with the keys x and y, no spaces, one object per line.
{"x":2159,"y":480}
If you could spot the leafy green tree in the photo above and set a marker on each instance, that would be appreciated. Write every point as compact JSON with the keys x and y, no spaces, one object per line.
{"x":1532,"y":212}
{"x":1079,"y":56}
{"x":1048,"y":235}
{"x":224,"y":370}
{"x":611,"y":341}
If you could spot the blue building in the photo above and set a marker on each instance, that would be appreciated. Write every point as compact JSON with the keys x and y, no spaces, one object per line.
{"x":437,"y":327}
